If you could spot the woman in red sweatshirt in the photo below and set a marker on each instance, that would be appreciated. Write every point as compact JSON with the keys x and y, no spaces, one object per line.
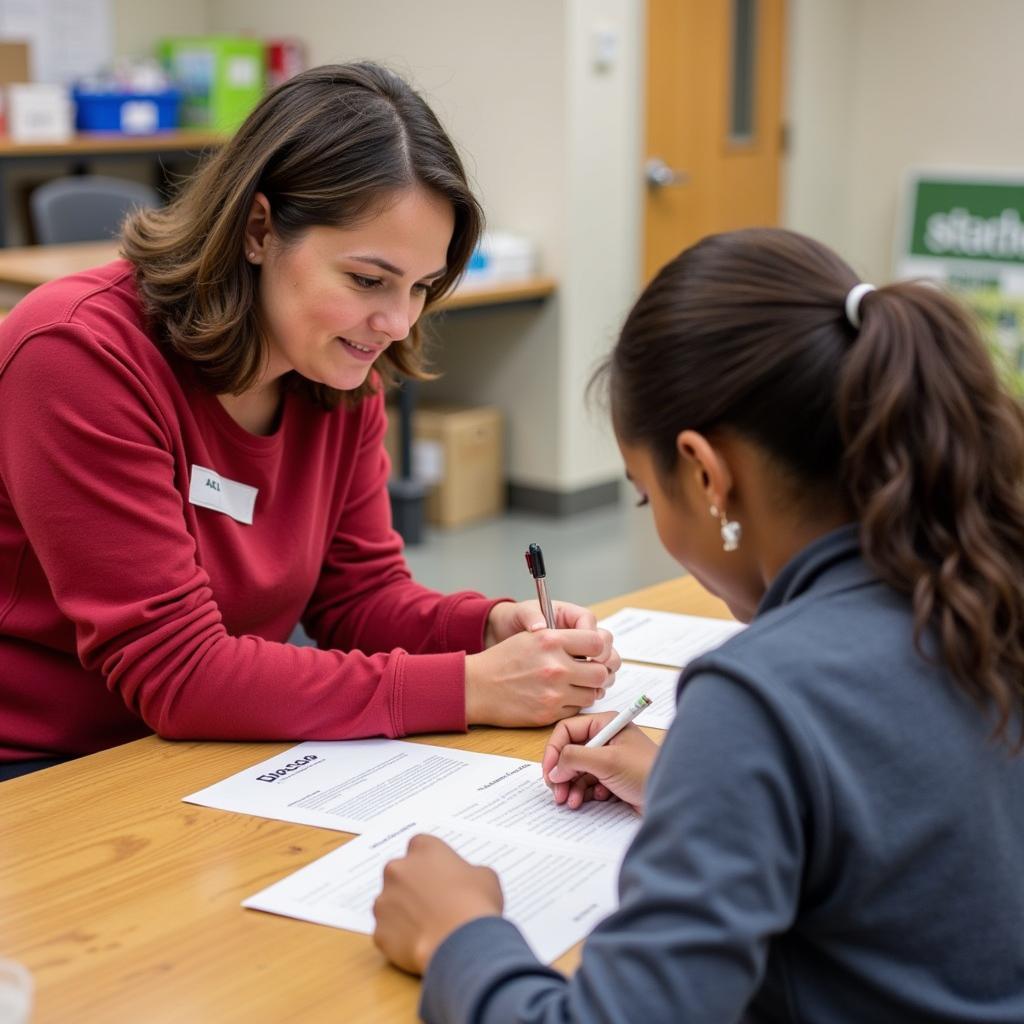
{"x":191,"y":459}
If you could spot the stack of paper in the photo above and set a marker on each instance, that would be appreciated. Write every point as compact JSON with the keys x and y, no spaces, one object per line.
{"x":657,"y":639}
{"x":558,"y":867}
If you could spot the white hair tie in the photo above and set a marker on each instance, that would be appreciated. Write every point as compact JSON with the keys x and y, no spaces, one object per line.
{"x":853,"y":301}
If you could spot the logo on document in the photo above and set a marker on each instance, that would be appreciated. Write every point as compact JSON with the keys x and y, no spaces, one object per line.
{"x":293,"y":766}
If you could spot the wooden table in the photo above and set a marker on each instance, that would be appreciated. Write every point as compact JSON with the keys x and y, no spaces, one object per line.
{"x":124,"y":902}
{"x":23,"y":268}
{"x":106,"y":144}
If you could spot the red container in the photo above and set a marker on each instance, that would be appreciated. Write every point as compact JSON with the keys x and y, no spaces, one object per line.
{"x":285,"y":58}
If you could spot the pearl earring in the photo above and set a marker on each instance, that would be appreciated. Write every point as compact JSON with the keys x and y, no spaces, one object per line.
{"x":251,"y":255}
{"x":731,"y":530}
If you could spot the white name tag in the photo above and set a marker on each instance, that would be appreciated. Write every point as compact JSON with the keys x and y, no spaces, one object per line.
{"x":211,"y":490}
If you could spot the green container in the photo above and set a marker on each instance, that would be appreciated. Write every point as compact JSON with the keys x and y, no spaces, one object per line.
{"x":221,"y":78}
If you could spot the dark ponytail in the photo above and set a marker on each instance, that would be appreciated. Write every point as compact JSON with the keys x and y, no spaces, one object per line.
{"x":904,"y":420}
{"x":934,"y":465}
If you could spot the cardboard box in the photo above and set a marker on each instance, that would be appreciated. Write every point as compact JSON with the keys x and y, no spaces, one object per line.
{"x":460,"y":451}
{"x":13,"y":62}
{"x":221,"y":78}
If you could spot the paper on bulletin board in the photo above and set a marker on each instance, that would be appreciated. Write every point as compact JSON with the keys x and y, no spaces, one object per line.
{"x":1000,"y":318}
{"x":68,"y":39}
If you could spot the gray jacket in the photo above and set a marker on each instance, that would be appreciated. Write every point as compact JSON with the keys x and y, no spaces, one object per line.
{"x":830,"y":836}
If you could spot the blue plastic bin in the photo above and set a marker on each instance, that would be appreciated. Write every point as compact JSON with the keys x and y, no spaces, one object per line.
{"x":128,"y":112}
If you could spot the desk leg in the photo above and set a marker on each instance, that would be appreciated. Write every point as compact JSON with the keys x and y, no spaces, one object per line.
{"x":5,"y":198}
{"x":407,"y":493}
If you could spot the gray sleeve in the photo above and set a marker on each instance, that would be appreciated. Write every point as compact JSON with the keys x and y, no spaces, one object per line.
{"x":713,"y":873}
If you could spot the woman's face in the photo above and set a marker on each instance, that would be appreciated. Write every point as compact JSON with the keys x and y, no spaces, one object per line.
{"x":691,"y":534}
{"x":334,"y":299}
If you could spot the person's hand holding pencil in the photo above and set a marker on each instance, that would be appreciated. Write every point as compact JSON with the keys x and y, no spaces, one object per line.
{"x":577,"y":773}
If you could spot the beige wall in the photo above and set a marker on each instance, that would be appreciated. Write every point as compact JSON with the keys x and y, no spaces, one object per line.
{"x":937,"y":84}
{"x":874,"y":88}
{"x":551,"y":143}
{"x":819,"y":101}
{"x":138,"y":24}
{"x":879,"y":87}
{"x":604,"y":191}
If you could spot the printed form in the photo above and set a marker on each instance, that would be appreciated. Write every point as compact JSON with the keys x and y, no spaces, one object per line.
{"x":558,"y":868}
{"x":349,"y":785}
{"x":633,"y":680}
{"x":666,"y":638}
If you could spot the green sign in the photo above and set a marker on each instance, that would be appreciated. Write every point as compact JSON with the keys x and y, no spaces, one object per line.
{"x":967,"y":232}
{"x":973,"y":220}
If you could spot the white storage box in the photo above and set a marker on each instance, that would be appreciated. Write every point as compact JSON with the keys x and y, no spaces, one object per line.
{"x":37,"y":112}
{"x":501,"y":256}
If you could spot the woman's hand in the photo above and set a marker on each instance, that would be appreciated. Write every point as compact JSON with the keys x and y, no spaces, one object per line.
{"x":537,"y":678}
{"x":427,"y":894}
{"x":577,"y":773}
{"x":531,"y":675}
{"x":508,"y":618}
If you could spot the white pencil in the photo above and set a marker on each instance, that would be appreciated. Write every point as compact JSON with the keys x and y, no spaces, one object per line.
{"x":620,"y":721}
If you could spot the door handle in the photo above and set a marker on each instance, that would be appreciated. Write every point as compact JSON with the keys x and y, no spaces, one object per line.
{"x":658,"y":174}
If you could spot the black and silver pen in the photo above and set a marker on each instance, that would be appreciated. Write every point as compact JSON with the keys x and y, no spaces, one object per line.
{"x":535,"y":563}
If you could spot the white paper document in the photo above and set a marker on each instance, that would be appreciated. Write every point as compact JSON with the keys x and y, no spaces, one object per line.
{"x":666,"y":638}
{"x":558,"y":868}
{"x":633,"y":680}
{"x":351,"y":785}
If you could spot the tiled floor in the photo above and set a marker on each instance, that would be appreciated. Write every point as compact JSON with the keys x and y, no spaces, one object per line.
{"x":588,"y":557}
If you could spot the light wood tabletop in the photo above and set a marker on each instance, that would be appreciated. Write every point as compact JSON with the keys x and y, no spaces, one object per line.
{"x":124,"y":902}
{"x":114,"y":144}
{"x":27,"y":266}
{"x":23,"y":268}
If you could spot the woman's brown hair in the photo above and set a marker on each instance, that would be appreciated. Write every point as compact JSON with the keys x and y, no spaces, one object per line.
{"x":328,"y":147}
{"x":904,"y":418}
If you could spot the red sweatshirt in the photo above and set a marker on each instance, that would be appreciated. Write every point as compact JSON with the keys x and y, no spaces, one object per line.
{"x":127,"y":608}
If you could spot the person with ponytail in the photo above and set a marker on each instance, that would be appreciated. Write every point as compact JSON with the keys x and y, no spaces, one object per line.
{"x":192,"y":459}
{"x":833,"y":829}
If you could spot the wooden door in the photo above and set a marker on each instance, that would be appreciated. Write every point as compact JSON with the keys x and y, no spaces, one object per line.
{"x":714,"y":120}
